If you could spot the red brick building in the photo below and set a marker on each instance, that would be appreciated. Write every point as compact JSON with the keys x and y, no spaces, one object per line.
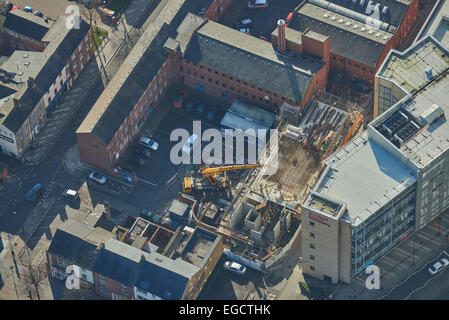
{"x":361,"y":32}
{"x":24,"y":31}
{"x":203,"y":55}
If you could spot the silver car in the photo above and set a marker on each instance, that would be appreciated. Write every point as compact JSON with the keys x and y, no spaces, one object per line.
{"x":438,"y":266}
{"x":149,"y":143}
{"x":95,"y":176}
{"x":234,"y":267}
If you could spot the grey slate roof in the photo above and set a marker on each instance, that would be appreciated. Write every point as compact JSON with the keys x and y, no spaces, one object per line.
{"x":132,"y":89}
{"x":137,"y":71}
{"x":27,"y":24}
{"x":155,"y":274}
{"x":225,"y":50}
{"x":161,"y":282}
{"x":44,"y":68}
{"x":347,"y":45}
{"x":73,"y":248}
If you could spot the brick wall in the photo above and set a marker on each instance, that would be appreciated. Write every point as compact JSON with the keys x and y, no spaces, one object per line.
{"x":111,"y":289}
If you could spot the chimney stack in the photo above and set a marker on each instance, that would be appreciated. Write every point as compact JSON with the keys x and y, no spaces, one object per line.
{"x":282,"y":47}
{"x":107,"y":210}
{"x":30,"y":82}
{"x":99,"y":247}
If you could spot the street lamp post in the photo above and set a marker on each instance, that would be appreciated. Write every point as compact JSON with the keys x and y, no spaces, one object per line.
{"x":414,"y":246}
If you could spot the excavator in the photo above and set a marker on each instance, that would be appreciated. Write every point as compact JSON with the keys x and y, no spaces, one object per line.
{"x":211,"y":178}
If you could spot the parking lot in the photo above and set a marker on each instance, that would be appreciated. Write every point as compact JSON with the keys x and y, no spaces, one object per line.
{"x":159,"y":180}
{"x":263,"y":20}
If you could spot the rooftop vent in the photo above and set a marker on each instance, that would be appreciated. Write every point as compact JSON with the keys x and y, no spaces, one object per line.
{"x":431,"y":114}
{"x":27,"y":63}
{"x":428,"y":73}
{"x":25,"y":55}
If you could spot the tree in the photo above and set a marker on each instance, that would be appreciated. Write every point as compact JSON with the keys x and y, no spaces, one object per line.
{"x":88,"y":9}
{"x":34,"y":276}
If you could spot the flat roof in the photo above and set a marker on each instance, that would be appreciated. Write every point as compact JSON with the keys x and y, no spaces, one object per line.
{"x":364,"y":176}
{"x":200,"y":246}
{"x":441,"y":32}
{"x":441,"y":11}
{"x":407,"y":69}
{"x":431,"y":139}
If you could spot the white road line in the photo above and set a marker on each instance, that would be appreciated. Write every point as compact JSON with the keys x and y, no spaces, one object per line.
{"x":150,"y":183}
{"x":399,"y":284}
{"x":419,"y":288}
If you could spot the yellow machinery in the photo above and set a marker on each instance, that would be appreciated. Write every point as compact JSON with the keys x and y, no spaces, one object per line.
{"x":213,"y":176}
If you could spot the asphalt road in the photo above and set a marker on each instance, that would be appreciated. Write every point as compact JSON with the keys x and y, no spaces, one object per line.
{"x":416,"y":281}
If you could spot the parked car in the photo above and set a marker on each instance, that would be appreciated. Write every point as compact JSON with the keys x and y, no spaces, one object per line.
{"x":149,"y":143}
{"x":438,"y":266}
{"x":211,"y":115}
{"x":181,"y":98}
{"x":189,"y":144}
{"x":28,"y":9}
{"x":264,"y":38}
{"x":141,"y":151}
{"x":98,"y":178}
{"x":189,"y":104}
{"x":244,"y":29}
{"x":136,"y":161}
{"x":34,"y":193}
{"x":255,"y":4}
{"x":200,"y":108}
{"x":234,"y":267}
{"x":70,"y":194}
{"x":246,"y":22}
{"x":38,"y":14}
{"x":14,"y":8}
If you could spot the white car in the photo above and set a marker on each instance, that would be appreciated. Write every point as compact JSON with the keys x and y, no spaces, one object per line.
{"x":252,"y":4}
{"x":234,"y":267}
{"x":95,"y":176}
{"x":438,"y":266}
{"x":188,"y":145}
{"x":244,"y":30}
{"x":246,"y":21}
{"x":149,"y":143}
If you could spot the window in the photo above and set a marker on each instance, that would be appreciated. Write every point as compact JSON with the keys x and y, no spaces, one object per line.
{"x":312,"y":268}
{"x":124,"y":290}
{"x":385,"y":101}
{"x":312,"y":257}
{"x":312,"y":235}
{"x":103,"y":290}
{"x":208,"y":69}
{"x":312,"y":246}
{"x":210,"y":80}
{"x":312,"y":223}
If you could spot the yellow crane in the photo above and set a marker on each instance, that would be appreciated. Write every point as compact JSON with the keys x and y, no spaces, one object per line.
{"x":213,"y":176}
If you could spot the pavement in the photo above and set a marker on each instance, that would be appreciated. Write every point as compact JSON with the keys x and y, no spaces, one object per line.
{"x":414,"y":254}
{"x":31,"y":225}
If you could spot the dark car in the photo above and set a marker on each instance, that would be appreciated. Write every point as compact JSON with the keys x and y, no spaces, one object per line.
{"x":38,"y":13}
{"x":141,"y":151}
{"x":34,"y":193}
{"x":200,"y":108}
{"x":189,"y":104}
{"x":211,"y":115}
{"x":136,"y":161}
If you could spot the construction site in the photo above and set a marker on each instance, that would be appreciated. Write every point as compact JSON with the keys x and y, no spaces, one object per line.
{"x":259,"y":215}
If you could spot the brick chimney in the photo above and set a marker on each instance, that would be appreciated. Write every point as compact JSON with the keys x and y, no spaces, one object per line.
{"x":107,"y":210}
{"x":282,"y":46}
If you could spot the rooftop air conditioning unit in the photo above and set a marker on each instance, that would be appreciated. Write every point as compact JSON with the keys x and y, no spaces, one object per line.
{"x":431,"y":114}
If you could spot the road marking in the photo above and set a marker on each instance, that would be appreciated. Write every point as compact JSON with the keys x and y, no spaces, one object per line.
{"x":402,"y":282}
{"x":446,"y":253}
{"x":427,"y":282}
{"x":150,"y":183}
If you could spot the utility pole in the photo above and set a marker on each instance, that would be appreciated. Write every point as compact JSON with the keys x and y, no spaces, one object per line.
{"x":414,"y":246}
